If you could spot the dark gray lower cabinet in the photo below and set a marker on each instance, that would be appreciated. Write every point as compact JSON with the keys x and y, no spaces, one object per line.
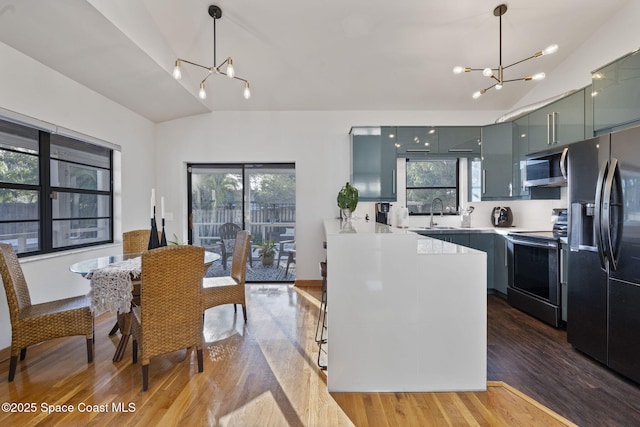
{"x":484,"y":242}
{"x":494,"y":245}
{"x":500,"y":264}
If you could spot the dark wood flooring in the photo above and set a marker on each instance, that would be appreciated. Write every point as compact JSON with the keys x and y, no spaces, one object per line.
{"x":536,"y":359}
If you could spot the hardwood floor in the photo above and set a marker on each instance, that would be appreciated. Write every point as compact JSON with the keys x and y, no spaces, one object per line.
{"x":265,"y":374}
{"x":537,"y":360}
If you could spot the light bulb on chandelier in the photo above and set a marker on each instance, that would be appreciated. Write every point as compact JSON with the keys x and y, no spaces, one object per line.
{"x":202,"y":93}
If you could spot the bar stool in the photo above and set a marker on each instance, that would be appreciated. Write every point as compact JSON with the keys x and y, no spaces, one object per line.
{"x":321,"y":326}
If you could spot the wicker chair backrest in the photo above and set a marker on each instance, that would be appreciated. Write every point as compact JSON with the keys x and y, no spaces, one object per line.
{"x":15,"y":285}
{"x":240,"y":254}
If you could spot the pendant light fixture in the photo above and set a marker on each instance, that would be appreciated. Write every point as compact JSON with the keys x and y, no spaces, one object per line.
{"x":497,"y":74}
{"x":215,"y":12}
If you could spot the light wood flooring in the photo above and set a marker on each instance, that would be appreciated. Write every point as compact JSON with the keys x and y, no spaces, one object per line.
{"x":260,"y":374}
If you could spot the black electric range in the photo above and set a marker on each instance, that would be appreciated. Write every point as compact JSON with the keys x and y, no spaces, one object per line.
{"x":534,"y":274}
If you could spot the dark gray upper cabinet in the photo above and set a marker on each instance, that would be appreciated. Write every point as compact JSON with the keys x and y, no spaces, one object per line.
{"x":373,"y":163}
{"x":417,"y":139}
{"x":497,"y":154}
{"x":459,"y":140}
{"x":558,"y":123}
{"x":616,"y":86}
{"x":588,"y":112}
{"x":520,"y":138}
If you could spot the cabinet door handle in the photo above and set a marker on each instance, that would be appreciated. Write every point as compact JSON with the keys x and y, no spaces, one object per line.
{"x":393,"y":181}
{"x":562,"y":267}
{"x":548,"y":129}
{"x":554,"y":127}
{"x":484,"y":181}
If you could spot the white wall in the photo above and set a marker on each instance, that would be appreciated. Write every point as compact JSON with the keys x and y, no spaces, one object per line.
{"x":29,"y":88}
{"x":317,"y":142}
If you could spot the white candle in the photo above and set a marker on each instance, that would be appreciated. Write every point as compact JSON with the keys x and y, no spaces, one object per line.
{"x":162,"y":207}
{"x":153,"y":200}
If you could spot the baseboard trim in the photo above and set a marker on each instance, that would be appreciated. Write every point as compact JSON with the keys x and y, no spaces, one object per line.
{"x":310,"y":283}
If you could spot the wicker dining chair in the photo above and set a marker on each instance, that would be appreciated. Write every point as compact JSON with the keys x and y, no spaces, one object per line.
{"x":133,"y":242}
{"x":35,"y":323}
{"x":168,"y":317}
{"x":228,"y":232}
{"x":229,"y":289}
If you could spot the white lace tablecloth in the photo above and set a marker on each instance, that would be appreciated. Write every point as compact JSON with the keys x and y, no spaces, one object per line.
{"x":111,"y":286}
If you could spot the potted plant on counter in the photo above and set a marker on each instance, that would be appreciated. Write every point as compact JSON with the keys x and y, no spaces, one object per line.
{"x":267,"y":252}
{"x":347,"y":200}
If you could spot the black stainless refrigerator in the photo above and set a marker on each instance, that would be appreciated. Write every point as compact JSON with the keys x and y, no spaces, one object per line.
{"x":603,"y":303}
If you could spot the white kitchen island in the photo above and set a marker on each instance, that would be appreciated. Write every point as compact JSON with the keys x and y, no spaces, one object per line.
{"x":405,"y":312}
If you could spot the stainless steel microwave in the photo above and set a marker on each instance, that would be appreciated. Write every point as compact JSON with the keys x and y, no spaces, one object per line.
{"x":546,"y":169}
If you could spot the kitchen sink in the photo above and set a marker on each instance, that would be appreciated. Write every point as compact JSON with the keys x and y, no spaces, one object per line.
{"x":436,"y":228}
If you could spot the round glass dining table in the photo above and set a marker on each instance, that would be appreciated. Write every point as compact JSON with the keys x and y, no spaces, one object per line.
{"x":84,"y":267}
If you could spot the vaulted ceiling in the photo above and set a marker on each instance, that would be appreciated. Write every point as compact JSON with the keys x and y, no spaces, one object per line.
{"x":297,"y":54}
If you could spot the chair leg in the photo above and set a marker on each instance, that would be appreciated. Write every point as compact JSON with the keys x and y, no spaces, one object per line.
{"x":134,"y":348}
{"x":13,"y":363}
{"x":145,"y":377}
{"x":200,"y":362}
{"x":113,"y":330}
{"x":90,"y":350}
{"x":244,"y":313}
{"x":235,"y":308}
{"x":23,"y":353}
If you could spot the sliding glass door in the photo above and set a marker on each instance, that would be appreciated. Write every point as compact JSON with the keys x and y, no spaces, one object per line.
{"x":260,"y":198}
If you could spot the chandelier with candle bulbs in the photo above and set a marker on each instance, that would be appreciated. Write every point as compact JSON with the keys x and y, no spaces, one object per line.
{"x":497,"y":74}
{"x":224,"y":69}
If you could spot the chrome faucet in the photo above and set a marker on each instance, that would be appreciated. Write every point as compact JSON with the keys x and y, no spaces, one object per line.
{"x":433,"y":202}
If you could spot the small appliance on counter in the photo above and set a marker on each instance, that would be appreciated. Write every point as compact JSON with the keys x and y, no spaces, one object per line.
{"x":402,"y":215}
{"x":501,"y":216}
{"x":382,"y":213}
{"x":465,"y":221}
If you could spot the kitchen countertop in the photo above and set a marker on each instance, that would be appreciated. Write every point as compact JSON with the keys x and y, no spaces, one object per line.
{"x":360,"y":226}
{"x":473,"y":230}
{"x":370,"y":229}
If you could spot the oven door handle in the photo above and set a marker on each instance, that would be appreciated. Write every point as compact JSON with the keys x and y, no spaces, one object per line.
{"x":547,"y":245}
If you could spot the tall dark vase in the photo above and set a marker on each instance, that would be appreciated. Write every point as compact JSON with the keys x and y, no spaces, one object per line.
{"x":163,"y":239}
{"x":153,"y":238}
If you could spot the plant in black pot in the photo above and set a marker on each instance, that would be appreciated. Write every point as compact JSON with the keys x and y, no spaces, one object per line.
{"x":347,"y":200}
{"x":267,"y":252}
